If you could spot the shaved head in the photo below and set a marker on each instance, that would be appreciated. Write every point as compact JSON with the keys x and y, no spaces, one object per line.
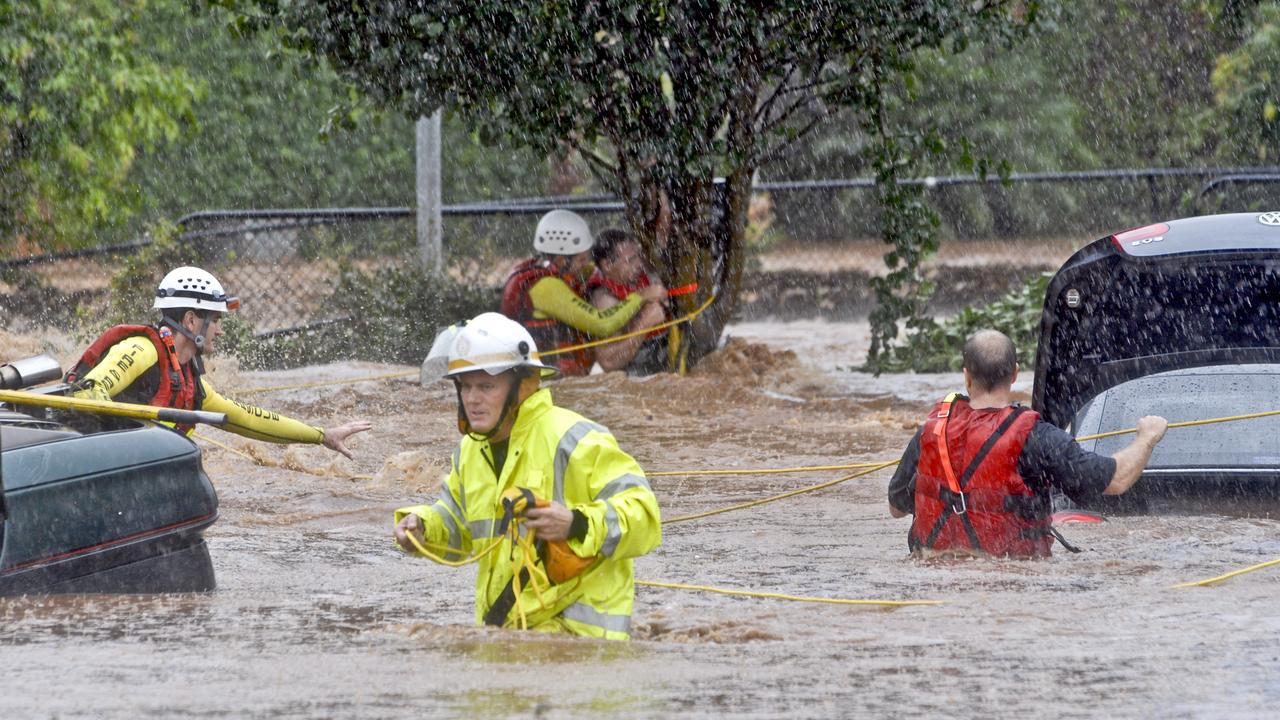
{"x":991,"y":359}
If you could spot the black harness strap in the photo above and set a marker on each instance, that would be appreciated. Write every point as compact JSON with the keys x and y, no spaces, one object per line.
{"x":1032,"y":507}
{"x":949,"y":508}
{"x":497,"y":613}
{"x":1054,"y":532}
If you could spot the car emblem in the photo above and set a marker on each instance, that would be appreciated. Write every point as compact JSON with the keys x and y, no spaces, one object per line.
{"x":1270,"y":218}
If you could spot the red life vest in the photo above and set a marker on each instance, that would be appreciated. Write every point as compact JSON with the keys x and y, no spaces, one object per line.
{"x":620,"y":291}
{"x":616,"y":289}
{"x":968,"y":491}
{"x":547,"y":333}
{"x":177,"y":387}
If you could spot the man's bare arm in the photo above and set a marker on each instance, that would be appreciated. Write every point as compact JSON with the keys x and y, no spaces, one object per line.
{"x":1131,"y":461}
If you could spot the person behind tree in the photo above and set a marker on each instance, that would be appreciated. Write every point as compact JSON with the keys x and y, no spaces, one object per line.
{"x":163,"y":365}
{"x":545,"y":293}
{"x":620,"y":272}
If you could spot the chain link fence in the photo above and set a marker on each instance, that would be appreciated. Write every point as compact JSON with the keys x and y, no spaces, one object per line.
{"x":812,"y":246}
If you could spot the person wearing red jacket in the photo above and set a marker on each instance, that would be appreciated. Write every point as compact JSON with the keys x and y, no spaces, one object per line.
{"x":163,"y":365}
{"x":978,"y":474}
{"x":620,"y":272}
{"x":544,"y":294}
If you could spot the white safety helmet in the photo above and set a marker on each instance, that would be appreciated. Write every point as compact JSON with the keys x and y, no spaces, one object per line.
{"x":436,"y":364}
{"x":494,"y":343}
{"x":561,"y":232}
{"x":191,"y":287}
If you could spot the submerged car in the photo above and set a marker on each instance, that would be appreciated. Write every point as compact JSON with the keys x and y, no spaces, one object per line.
{"x":1179,"y":319}
{"x":99,"y":505}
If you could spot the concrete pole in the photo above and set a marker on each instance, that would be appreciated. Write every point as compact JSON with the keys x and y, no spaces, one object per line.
{"x":430,"y":221}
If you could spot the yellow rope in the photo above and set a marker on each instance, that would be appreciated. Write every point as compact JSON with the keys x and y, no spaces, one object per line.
{"x":627,"y":336}
{"x":556,"y":351}
{"x":780,"y":596}
{"x":259,"y":462}
{"x":426,"y":551}
{"x":237,"y":451}
{"x":1185,"y":423}
{"x":873,"y":466}
{"x":1228,"y":576}
{"x":321,"y":383}
{"x":774,"y":498}
{"x":772,"y":471}
{"x":527,"y":560}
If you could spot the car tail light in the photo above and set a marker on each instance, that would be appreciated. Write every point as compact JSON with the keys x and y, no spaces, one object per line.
{"x":1136,"y":236}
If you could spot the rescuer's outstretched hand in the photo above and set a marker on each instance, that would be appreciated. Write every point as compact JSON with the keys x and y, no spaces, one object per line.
{"x":335,"y":438}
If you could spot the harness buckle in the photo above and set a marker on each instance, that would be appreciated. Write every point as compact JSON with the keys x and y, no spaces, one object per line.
{"x":964,"y":505}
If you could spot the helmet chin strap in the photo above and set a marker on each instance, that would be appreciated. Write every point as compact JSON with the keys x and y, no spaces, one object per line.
{"x":196,"y":339}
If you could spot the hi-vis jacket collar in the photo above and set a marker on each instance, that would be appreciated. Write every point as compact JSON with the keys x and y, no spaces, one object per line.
{"x":533,"y":407}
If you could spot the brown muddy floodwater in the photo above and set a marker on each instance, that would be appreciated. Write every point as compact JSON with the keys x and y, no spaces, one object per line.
{"x":317,"y":615}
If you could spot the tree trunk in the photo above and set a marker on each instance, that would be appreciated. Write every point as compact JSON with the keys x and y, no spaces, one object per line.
{"x":696,"y":230}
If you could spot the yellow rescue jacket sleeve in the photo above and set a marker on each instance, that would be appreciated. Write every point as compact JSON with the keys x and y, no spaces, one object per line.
{"x":623,"y":519}
{"x":444,"y":521}
{"x":118,"y":368}
{"x":257,"y":423}
{"x":553,"y":297}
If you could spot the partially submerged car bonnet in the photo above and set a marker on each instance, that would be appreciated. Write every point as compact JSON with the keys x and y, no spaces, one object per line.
{"x":1187,"y":293}
{"x":117,"y":511}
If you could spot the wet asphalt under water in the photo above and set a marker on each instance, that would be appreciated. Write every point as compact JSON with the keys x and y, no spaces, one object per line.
{"x":317,"y":615}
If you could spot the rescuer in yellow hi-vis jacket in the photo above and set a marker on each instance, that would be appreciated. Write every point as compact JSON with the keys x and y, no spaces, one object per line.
{"x":162,"y":365}
{"x":586,"y":496}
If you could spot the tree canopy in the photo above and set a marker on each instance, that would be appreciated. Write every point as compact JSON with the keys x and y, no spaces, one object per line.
{"x":1246,"y":84}
{"x":79,"y":97}
{"x":264,"y":136}
{"x":660,"y":98}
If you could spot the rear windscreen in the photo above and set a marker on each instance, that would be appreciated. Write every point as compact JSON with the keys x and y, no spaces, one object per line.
{"x":1186,"y":397}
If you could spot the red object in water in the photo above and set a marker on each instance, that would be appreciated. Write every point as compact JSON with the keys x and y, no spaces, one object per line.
{"x":1066,"y":516}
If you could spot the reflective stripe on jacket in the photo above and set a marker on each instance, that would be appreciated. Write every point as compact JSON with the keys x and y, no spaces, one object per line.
{"x":996,"y":512}
{"x":564,"y":457}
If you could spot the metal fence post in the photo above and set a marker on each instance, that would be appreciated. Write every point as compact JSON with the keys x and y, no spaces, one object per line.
{"x":430,"y":220}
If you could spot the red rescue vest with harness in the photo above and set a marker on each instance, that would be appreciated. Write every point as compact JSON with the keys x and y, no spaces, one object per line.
{"x":547,"y":333}
{"x":621,"y":291}
{"x":968,"y":492}
{"x":617,"y":289}
{"x":177,"y":385}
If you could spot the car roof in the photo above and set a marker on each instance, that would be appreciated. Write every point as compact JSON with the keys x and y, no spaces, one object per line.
{"x":1177,"y":294}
